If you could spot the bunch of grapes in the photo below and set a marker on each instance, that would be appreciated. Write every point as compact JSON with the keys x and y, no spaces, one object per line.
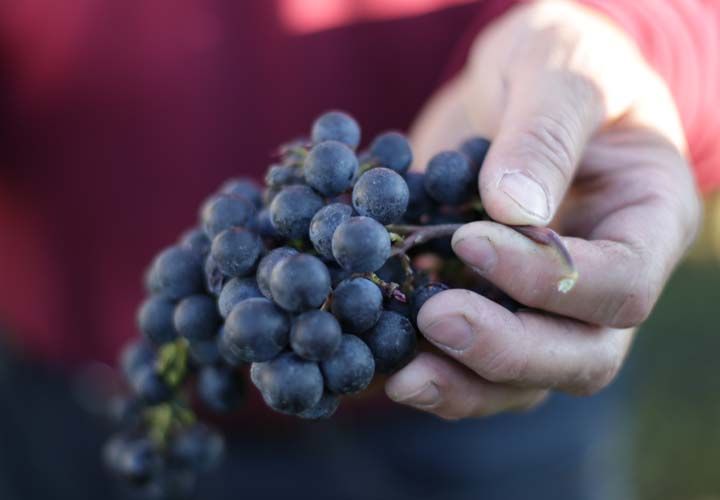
{"x":314,"y":283}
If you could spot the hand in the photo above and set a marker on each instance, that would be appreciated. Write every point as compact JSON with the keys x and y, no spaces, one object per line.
{"x":586,"y":138}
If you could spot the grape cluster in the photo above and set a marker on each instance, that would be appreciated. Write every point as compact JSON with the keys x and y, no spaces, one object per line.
{"x":312,"y":282}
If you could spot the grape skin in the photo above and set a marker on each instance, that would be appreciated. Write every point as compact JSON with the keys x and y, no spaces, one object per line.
{"x":235,"y":251}
{"x":220,"y":388}
{"x":330,"y":167}
{"x":336,"y":126}
{"x":382,"y":194}
{"x":361,"y":245}
{"x":325,"y":408}
{"x":236,"y":290}
{"x":392,"y":150}
{"x":421,"y":295}
{"x":315,"y":335}
{"x":243,"y":188}
{"x":196,"y":317}
{"x":419,"y":203}
{"x":266,"y":266}
{"x":226,"y":212}
{"x":351,"y":368}
{"x":392,"y":341}
{"x":256,"y":330}
{"x":300,"y":282}
{"x":323,"y":226}
{"x":198,"y":447}
{"x":176,"y":273}
{"x":476,"y":149}
{"x":357,"y":304}
{"x":449,"y":178}
{"x":155,"y":319}
{"x":289,"y":383}
{"x":292,"y":210}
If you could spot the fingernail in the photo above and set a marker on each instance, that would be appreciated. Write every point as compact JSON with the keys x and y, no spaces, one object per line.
{"x":453,"y":333}
{"x":527,"y":193}
{"x":477,"y":251}
{"x":414,"y":386}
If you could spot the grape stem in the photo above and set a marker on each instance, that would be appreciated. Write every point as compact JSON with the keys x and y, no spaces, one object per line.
{"x":417,"y":235}
{"x":389,"y":289}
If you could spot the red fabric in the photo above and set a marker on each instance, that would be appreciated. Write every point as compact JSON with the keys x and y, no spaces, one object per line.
{"x":681,"y":40}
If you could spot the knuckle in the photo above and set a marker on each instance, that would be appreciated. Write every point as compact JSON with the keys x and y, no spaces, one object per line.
{"x":634,"y":305}
{"x":608,"y":367}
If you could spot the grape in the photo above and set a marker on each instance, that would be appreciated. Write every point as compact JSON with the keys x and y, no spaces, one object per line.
{"x":236,"y":290}
{"x":475,"y":148}
{"x":197,"y":242}
{"x":392,"y":271}
{"x":214,"y":278}
{"x":421,"y":295}
{"x":382,"y":194}
{"x":337,"y":274}
{"x":392,"y":150}
{"x":325,"y":408}
{"x":357,"y":304}
{"x":330,"y":167}
{"x":279,"y":176}
{"x":300,"y":282}
{"x":220,"y":388}
{"x":392,"y":341}
{"x":136,"y":356}
{"x":266,"y":266}
{"x":289,"y":383}
{"x":292,"y":210}
{"x":155,"y":320}
{"x":204,"y":352}
{"x":419,"y":203}
{"x":256,"y":330}
{"x":449,"y":178}
{"x":351,"y":368}
{"x":336,"y":126}
{"x":315,"y":335}
{"x":198,"y":447}
{"x":226,"y":212}
{"x":196,"y":317}
{"x":134,"y":459}
{"x":243,"y":188}
{"x":229,"y":353}
{"x":269,"y":195}
{"x":176,"y":273}
{"x":323,"y":226}
{"x":361,"y":244}
{"x":149,"y":386}
{"x":236,"y":251}
{"x":262,"y":225}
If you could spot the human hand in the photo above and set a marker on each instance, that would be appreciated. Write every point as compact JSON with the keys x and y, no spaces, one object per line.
{"x":586,"y":138}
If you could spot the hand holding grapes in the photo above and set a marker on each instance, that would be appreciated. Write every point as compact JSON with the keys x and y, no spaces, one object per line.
{"x":585,"y":138}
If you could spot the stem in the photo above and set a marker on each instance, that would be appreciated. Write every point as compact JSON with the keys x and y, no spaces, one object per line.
{"x":417,"y":235}
{"x":390,"y":290}
{"x":546,"y":236}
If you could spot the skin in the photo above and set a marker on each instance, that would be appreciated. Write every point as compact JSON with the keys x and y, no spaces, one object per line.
{"x":587,"y":139}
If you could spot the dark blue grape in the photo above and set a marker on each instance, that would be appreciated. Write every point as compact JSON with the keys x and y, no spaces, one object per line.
{"x":227,"y":212}
{"x":220,"y":388}
{"x":337,"y":274}
{"x":475,"y":149}
{"x":421,"y":295}
{"x":394,"y":305}
{"x":269,"y":195}
{"x":243,"y":188}
{"x":236,"y":290}
{"x":155,"y":319}
{"x":292,"y":210}
{"x":279,"y":176}
{"x":266,"y":266}
{"x":351,"y":368}
{"x":236,"y":251}
{"x":150,"y":386}
{"x":289,"y":383}
{"x":205,"y":352}
{"x":262,"y":225}
{"x":133,"y":459}
{"x":196,"y":241}
{"x":176,"y":273}
{"x":323,"y":225}
{"x":419,"y":203}
{"x":198,"y":448}
{"x":315,"y":335}
{"x":256,"y":330}
{"x":325,"y":408}
{"x":330,"y":167}
{"x":228,"y":352}
{"x":392,"y":271}
{"x":449,"y":178}
{"x":392,"y":341}
{"x":136,"y":356}
{"x":392,"y":150}
{"x":336,"y":126}
{"x":361,"y":245}
{"x":214,"y":277}
{"x":357,"y":303}
{"x":382,"y":194}
{"x":196,"y":317}
{"x":300,"y":282}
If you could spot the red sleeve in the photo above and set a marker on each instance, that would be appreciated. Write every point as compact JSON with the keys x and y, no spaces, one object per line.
{"x":681,"y":40}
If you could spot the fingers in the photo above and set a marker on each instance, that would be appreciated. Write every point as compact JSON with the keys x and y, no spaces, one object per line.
{"x":527,"y":349}
{"x":438,"y":385}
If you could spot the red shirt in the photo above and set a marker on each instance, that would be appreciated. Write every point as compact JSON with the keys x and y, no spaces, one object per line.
{"x":118,"y":118}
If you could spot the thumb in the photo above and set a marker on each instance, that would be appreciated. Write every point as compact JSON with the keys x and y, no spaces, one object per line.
{"x":543,"y":132}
